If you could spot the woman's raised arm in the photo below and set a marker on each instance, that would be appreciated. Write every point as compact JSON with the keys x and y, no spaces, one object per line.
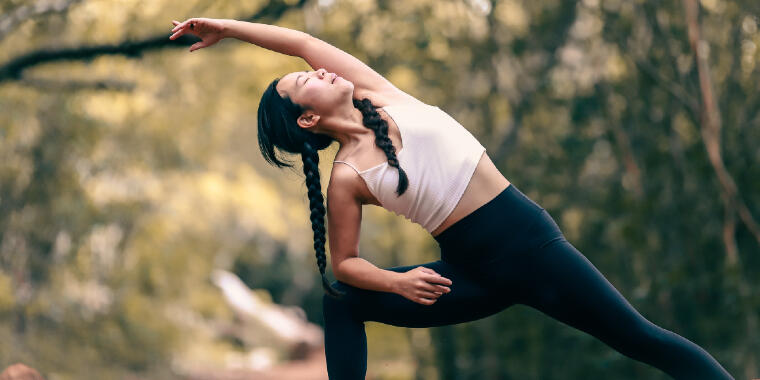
{"x":272,"y":37}
{"x":316,"y":52}
{"x":320,"y":54}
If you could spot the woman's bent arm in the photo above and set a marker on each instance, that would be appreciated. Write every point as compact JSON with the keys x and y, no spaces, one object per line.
{"x":361,"y":273}
{"x":272,"y":37}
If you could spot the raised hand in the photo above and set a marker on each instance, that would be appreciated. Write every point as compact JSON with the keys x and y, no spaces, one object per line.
{"x":209,"y":30}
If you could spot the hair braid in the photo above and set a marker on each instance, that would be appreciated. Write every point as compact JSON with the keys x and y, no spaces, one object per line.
{"x":278,"y":128}
{"x":372,"y":120}
{"x":310,"y":157}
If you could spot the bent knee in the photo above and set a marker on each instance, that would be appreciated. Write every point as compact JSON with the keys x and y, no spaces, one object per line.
{"x":330,"y":300}
{"x":643,"y":333}
{"x":347,"y":306}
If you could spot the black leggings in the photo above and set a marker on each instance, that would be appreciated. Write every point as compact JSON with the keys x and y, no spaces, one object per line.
{"x":506,"y":252}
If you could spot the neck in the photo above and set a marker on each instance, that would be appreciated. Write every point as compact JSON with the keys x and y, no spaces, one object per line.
{"x":345,"y":126}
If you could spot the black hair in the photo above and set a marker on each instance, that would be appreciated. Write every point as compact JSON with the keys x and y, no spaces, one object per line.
{"x":277,"y":128}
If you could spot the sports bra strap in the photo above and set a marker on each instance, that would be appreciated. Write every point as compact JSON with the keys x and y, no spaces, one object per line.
{"x":354,"y":167}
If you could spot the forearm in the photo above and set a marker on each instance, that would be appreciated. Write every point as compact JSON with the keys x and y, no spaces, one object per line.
{"x":360,"y":273}
{"x":272,"y":37}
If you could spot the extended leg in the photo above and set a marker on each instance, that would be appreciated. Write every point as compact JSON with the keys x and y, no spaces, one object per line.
{"x":562,"y":283}
{"x":345,"y":339}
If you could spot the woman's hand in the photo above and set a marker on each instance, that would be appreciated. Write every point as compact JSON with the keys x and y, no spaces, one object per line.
{"x":209,"y":30}
{"x":422,"y":285}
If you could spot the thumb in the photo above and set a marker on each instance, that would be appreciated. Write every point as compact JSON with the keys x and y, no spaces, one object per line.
{"x":428,"y":270}
{"x":197,"y":45}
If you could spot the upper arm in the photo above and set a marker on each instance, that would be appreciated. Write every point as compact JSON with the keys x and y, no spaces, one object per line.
{"x":320,"y":54}
{"x":344,"y":214}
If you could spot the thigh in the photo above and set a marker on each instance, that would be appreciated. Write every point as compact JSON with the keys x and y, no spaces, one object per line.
{"x":468,"y":300}
{"x":561,"y":282}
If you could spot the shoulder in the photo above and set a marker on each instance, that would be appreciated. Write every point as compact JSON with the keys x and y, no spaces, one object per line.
{"x":343,"y":184}
{"x":346,"y":185}
{"x":344,"y":199}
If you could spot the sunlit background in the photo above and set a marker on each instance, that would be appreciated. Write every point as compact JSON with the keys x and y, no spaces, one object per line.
{"x":142,"y":235}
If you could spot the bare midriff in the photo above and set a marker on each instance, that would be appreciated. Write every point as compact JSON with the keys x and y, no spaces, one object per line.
{"x":486,"y":183}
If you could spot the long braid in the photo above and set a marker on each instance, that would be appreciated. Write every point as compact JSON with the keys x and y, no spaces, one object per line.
{"x":278,"y":128}
{"x":372,"y":120}
{"x":310,"y":157}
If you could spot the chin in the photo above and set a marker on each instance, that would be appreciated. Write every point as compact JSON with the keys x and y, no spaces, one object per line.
{"x":348,"y":88}
{"x":344,"y":80}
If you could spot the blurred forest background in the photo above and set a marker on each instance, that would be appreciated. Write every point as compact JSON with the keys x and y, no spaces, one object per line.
{"x":131,"y":181}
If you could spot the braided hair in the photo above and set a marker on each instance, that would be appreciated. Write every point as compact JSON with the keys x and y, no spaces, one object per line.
{"x":372,"y":120}
{"x":277,"y":127}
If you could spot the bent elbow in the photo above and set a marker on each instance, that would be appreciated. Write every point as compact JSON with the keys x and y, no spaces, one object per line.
{"x":340,"y":268}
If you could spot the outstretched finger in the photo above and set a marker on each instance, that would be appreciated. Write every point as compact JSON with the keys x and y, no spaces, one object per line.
{"x":180,"y":25}
{"x":177,"y":25}
{"x":177,"y":34}
{"x":183,"y":24}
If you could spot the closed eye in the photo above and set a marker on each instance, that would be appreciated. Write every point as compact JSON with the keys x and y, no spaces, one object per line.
{"x":307,"y":78}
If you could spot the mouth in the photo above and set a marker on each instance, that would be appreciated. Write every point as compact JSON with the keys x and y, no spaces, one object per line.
{"x":335,"y":77}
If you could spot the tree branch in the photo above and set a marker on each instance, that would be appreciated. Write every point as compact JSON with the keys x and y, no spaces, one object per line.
{"x":639,"y":59}
{"x":75,"y":85}
{"x":13,"y":69}
{"x":711,"y":126}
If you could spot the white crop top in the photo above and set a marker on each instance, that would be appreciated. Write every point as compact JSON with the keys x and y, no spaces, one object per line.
{"x":439,"y":157}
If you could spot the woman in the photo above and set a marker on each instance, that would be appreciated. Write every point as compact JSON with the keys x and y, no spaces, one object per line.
{"x":498,"y":247}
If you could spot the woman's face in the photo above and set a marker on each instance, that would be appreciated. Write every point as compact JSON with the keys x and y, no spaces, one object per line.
{"x":317,"y":90}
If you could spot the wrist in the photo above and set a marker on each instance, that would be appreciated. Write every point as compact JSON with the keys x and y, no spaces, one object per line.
{"x":227,"y":28}
{"x":394,"y":281}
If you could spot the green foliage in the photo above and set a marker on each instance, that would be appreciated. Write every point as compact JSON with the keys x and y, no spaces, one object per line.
{"x":126,"y":179}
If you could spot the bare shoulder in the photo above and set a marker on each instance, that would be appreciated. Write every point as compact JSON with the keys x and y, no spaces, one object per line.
{"x":343,"y":184}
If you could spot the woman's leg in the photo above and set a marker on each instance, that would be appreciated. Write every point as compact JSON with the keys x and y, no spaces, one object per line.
{"x":558,"y":280}
{"x":345,"y":339}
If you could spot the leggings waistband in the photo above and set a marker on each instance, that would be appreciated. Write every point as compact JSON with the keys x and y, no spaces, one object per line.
{"x":502,"y":224}
{"x":482,"y":213}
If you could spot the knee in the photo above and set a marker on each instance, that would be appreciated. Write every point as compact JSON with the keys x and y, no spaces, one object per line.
{"x":327,"y":299}
{"x":657,"y":335}
{"x":330,"y":302}
{"x":344,"y":310}
{"x":648,"y":334}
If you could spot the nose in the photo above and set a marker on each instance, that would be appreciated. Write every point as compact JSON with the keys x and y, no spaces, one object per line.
{"x":321,"y":73}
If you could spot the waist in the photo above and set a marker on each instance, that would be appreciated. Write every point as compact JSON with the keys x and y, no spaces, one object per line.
{"x":508,"y":226}
{"x":486,"y":183}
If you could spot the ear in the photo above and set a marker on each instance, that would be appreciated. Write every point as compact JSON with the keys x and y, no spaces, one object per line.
{"x":308,"y":119}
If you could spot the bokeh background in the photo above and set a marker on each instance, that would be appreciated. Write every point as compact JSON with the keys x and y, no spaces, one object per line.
{"x":142,"y":235}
